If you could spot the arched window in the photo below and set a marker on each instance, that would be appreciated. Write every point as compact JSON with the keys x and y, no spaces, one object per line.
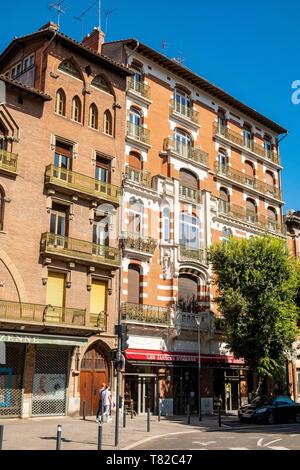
{"x":135,"y":216}
{"x":93,"y":116}
{"x":250,"y":173}
{"x":100,"y":83}
{"x":2,"y":203}
{"x":251,"y":213}
{"x":182,"y":103}
{"x":135,"y":160}
{"x":188,"y":293}
{"x":270,"y":180}
{"x":135,"y":116}
{"x":60,"y":103}
{"x":133,"y":170}
{"x":188,"y":185}
{"x":134,"y":276}
{"x":76,"y":109}
{"x":247,"y":135}
{"x":222,"y":160}
{"x":182,"y":142}
{"x":68,"y":67}
{"x":189,"y":230}
{"x":226,"y":233}
{"x":166,"y":224}
{"x":107,"y":123}
{"x":272,"y":218}
{"x":224,"y":201}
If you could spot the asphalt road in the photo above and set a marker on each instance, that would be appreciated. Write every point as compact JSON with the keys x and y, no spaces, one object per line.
{"x":238,"y":437}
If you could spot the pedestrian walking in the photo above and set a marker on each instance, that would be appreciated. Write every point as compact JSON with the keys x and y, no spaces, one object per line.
{"x":100,"y":405}
{"x":107,"y":402}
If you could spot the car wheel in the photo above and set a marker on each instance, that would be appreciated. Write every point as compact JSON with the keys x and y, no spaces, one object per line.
{"x":270,"y":418}
{"x":297,"y":418}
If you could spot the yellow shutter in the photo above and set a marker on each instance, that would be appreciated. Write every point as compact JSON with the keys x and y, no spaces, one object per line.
{"x":55,"y":295}
{"x":98,"y":297}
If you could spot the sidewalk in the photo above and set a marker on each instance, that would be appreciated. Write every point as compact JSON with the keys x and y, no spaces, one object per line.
{"x":40,"y":433}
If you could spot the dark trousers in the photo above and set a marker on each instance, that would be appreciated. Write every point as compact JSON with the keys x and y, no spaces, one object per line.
{"x":100,"y":409}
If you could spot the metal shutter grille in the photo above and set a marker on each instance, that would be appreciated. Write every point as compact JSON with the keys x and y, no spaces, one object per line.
{"x":187,"y":179}
{"x":49,"y":382}
{"x":11,"y":381}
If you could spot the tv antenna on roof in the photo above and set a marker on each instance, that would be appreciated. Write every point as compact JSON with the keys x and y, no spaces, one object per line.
{"x":82,"y":15}
{"x":107,"y":13}
{"x":57,"y":6}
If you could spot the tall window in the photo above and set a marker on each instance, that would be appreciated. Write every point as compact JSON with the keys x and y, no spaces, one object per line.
{"x":224,"y":200}
{"x":221,"y":122}
{"x":3,"y":139}
{"x":60,"y":103}
{"x":270,"y":180}
{"x":272,"y":218}
{"x":137,"y":79}
{"x":222,"y":158}
{"x":249,"y":173}
{"x":107,"y":123}
{"x":134,"y":284}
{"x":93,"y":116}
{"x":182,"y":142}
{"x":135,"y":116}
{"x":100,"y":231}
{"x":76,"y":109}
{"x":63,"y":157}
{"x":2,"y":203}
{"x":182,"y":102}
{"x":136,"y":209}
{"x":247,"y":135}
{"x":135,"y":165}
{"x":188,"y":293}
{"x":189,"y":230}
{"x":59,"y":220}
{"x":251,"y":213}
{"x":166,"y":224}
{"x":268,"y":147}
{"x":102,"y":171}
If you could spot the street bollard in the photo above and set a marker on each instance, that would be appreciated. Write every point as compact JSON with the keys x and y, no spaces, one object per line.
{"x":148,"y":419}
{"x":100,"y":431}
{"x":219,"y":413}
{"x":188,"y":414}
{"x":58,"y":437}
{"x":124,"y":416}
{"x":131,"y":408}
{"x":84,"y":410}
{"x":159,"y":411}
{"x":1,"y":435}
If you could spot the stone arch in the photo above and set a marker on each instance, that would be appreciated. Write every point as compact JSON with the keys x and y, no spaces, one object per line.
{"x":14,"y":288}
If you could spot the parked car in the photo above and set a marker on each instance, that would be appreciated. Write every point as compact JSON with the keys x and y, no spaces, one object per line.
{"x":270,"y":410}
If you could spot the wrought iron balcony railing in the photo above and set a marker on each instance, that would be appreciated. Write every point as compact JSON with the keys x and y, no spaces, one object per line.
{"x":189,"y":194}
{"x":8,"y":161}
{"x":99,"y":320}
{"x":185,"y":111}
{"x":244,"y":215}
{"x":246,"y":180}
{"x":191,"y":254}
{"x":140,"y":87}
{"x":238,"y":139}
{"x":28,"y":312}
{"x":82,"y":184}
{"x":138,"y":243}
{"x":187,"y":151}
{"x":79,"y":249}
{"x":138,"y":132}
{"x":145,"y":313}
{"x":141,"y":177}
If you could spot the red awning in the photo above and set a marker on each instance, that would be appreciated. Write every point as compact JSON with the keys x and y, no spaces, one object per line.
{"x":153,"y":355}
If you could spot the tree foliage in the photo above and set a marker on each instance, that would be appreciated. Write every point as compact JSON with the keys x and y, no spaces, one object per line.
{"x":256,"y":291}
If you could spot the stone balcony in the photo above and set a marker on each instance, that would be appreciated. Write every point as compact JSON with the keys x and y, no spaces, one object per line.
{"x":140,"y":177}
{"x":140,"y":244}
{"x":186,"y":112}
{"x":185,"y":151}
{"x":138,"y":133}
{"x":191,"y":254}
{"x":139,"y":88}
{"x":8,"y":161}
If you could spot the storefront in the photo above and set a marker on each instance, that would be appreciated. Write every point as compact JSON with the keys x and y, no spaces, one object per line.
{"x":172,"y":378}
{"x":35,"y":379}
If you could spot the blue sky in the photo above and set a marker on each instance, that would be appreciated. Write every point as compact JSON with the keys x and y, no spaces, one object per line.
{"x":250,"y":49}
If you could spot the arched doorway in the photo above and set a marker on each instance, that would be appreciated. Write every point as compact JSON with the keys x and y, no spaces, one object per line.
{"x":94,"y":371}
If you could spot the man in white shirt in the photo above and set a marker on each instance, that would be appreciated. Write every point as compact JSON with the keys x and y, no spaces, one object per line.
{"x":106,"y":402}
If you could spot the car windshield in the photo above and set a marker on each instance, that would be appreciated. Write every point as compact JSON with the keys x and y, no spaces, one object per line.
{"x":263,"y":400}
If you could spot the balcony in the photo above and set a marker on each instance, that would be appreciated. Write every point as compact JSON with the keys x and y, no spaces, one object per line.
{"x":249,"y":217}
{"x":140,"y":177}
{"x":193,"y":154}
{"x":79,"y":183}
{"x":136,"y":243}
{"x":140,"y":88}
{"x":81,"y":250}
{"x":189,"y":194}
{"x":149,"y":314}
{"x":246,"y":180}
{"x":191,"y":254}
{"x":8,"y":161}
{"x":237,"y":139}
{"x":139,"y":133}
{"x":99,"y":320}
{"x":186,"y":112}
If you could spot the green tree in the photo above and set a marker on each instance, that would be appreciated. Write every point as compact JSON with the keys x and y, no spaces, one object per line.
{"x":256,"y":290}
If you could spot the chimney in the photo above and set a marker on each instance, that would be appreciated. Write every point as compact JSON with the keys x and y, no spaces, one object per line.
{"x":94,"y":40}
